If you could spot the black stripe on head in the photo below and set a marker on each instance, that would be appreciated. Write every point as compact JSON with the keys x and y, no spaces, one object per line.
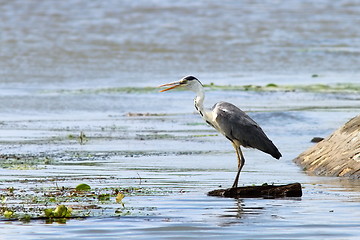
{"x":190,"y":78}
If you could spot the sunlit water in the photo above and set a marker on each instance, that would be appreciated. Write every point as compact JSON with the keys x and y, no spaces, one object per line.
{"x":51,"y":49}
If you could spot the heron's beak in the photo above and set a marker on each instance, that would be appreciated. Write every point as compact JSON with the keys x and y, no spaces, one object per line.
{"x":172,"y":86}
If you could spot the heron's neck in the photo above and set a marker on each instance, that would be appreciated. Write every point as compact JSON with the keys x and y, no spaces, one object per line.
{"x":199,"y":104}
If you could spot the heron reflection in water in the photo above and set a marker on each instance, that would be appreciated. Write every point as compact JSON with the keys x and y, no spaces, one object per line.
{"x":230,"y":121}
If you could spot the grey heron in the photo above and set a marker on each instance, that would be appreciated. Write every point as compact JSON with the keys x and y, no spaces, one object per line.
{"x":230,"y":121}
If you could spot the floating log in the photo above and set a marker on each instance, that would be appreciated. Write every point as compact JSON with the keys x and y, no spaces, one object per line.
{"x":263,"y":191}
{"x":337,"y":155}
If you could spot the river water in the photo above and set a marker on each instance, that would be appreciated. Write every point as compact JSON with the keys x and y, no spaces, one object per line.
{"x":82,"y":66}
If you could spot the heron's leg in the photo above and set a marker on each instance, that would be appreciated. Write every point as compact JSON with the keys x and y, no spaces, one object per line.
{"x":241,"y":162}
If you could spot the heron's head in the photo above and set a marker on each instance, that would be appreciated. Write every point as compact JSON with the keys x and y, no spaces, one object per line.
{"x":189,"y":82}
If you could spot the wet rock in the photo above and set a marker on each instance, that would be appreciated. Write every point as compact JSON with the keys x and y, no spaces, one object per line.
{"x":316,"y":139}
{"x":337,"y":155}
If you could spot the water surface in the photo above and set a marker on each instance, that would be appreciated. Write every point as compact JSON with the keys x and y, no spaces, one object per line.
{"x":63,"y":62}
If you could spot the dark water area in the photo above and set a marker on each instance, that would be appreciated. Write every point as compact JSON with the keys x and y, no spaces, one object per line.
{"x":80,"y":68}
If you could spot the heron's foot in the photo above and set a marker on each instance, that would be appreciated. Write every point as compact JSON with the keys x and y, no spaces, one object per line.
{"x":235,"y":185}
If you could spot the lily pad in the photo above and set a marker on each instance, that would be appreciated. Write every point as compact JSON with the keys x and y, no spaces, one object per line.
{"x":61,"y":211}
{"x":83,"y":187}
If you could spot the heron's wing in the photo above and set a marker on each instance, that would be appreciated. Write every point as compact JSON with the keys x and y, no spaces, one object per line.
{"x":237,"y":125}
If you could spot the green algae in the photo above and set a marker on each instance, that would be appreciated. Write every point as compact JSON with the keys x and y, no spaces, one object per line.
{"x":24,"y":162}
{"x":204,"y":135}
{"x":334,"y":88}
{"x":330,"y":88}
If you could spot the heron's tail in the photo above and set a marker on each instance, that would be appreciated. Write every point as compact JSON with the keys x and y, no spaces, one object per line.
{"x":272,"y":150}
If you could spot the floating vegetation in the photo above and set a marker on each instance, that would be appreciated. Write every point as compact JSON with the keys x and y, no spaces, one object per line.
{"x":82,"y":138}
{"x":59,"y":204}
{"x":334,"y":88}
{"x":24,"y":162}
{"x":205,"y":135}
{"x":120,"y":196}
{"x":83,"y":187}
{"x":155,"y":136}
{"x":195,"y":123}
{"x":61,"y":211}
{"x":272,"y":85}
{"x":132,"y":114}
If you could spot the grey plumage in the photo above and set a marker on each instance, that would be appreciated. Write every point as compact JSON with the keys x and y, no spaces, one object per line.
{"x":237,"y":125}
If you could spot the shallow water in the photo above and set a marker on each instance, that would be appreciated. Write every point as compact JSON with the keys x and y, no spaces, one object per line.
{"x":62,"y":62}
{"x":180,"y":159}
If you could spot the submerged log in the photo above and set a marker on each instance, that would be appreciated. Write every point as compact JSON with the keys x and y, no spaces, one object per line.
{"x":337,"y":155}
{"x":264,"y":191}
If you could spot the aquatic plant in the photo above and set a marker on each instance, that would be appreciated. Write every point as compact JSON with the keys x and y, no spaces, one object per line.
{"x":61,"y":203}
{"x":334,"y":88}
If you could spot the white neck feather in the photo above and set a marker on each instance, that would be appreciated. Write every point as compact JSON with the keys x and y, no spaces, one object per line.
{"x":199,"y":105}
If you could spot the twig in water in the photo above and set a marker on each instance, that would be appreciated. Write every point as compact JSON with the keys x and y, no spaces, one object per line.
{"x":139,"y":178}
